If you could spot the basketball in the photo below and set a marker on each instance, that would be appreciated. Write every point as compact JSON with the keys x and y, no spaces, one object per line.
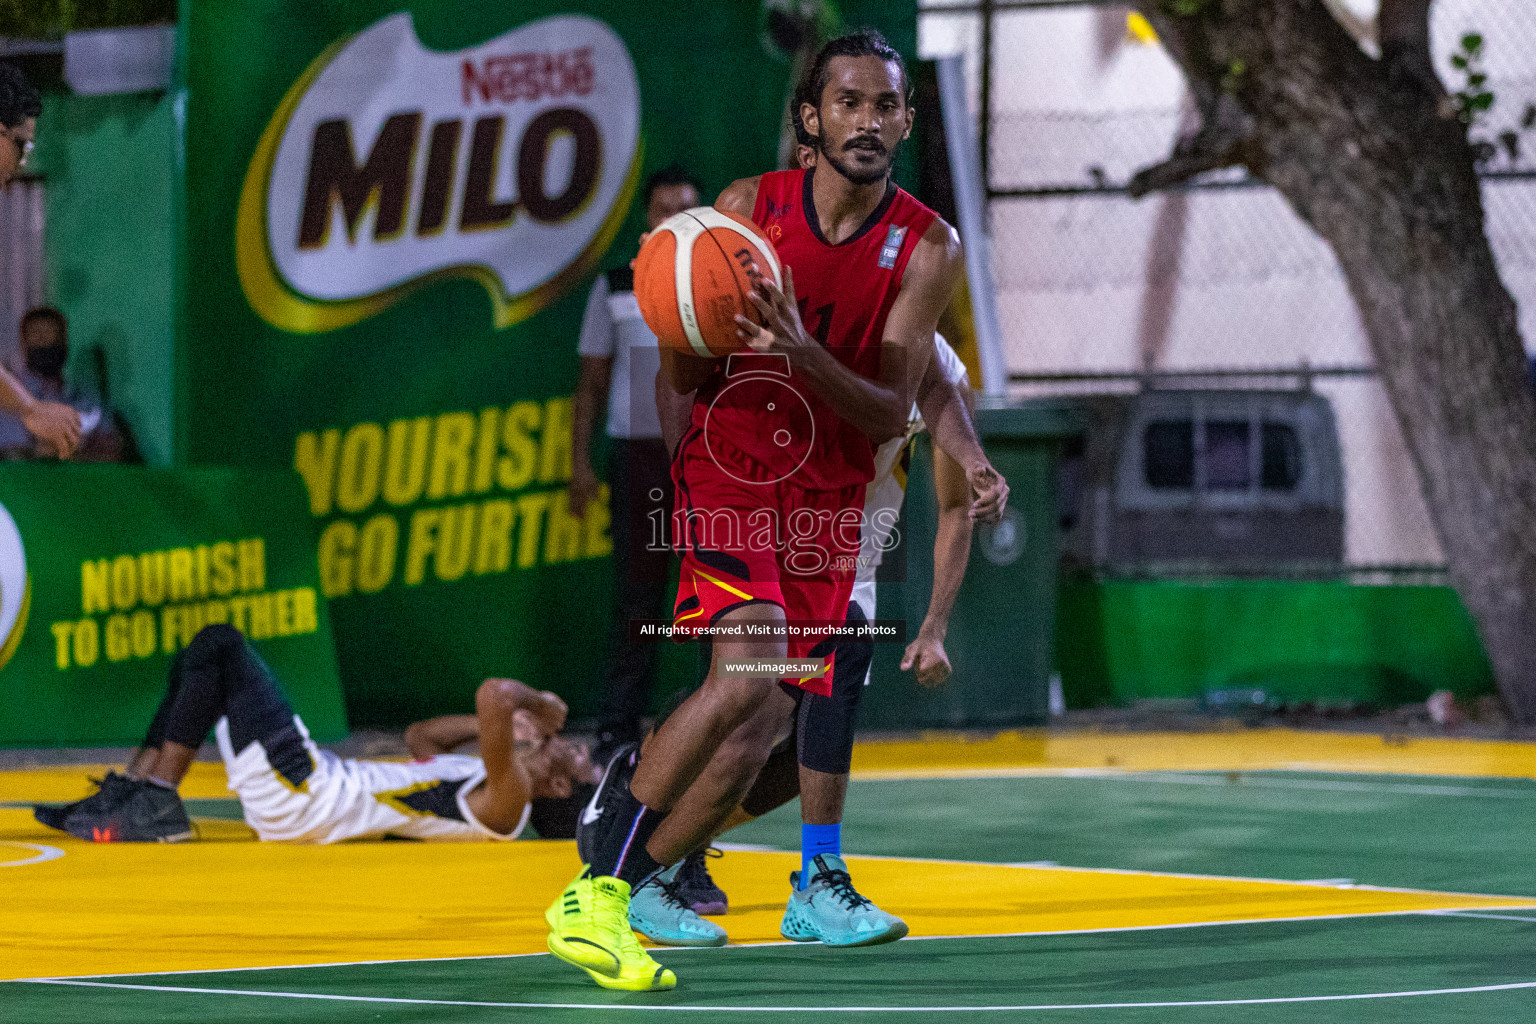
{"x":693,"y":276}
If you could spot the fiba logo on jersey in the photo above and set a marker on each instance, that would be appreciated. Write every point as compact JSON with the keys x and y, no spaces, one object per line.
{"x":758,"y":387}
{"x":389,"y":166}
{"x":15,"y":587}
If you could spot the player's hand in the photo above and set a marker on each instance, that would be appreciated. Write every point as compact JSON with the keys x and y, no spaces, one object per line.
{"x":56,"y":427}
{"x":781,"y":329}
{"x":989,"y":493}
{"x":584,"y":488}
{"x":549,"y":711}
{"x":927,"y":657}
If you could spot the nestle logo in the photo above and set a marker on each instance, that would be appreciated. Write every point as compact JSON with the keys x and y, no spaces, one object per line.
{"x":509,"y":78}
{"x":371,"y":180}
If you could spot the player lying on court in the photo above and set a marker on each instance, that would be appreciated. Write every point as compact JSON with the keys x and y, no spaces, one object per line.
{"x":291,"y":791}
{"x":874,"y":269}
{"x":813,"y":763}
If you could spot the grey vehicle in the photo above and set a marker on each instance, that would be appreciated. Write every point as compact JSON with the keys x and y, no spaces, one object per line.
{"x":1220,"y":481}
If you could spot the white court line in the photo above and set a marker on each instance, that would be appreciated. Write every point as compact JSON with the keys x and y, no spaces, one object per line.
{"x":1109,"y":929}
{"x":44,"y":853}
{"x":400,"y":1000}
{"x":1049,"y":866}
{"x":1046,"y":865}
{"x":762,"y":945}
{"x":1251,"y":780}
{"x":280,"y":967}
{"x":1324,"y":883}
{"x":1218,"y":777}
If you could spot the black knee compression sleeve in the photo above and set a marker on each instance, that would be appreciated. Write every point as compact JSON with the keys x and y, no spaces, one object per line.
{"x":219,"y":674}
{"x":825,"y":724}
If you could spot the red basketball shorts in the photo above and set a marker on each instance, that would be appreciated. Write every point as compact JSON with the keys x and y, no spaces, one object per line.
{"x":743,"y":541}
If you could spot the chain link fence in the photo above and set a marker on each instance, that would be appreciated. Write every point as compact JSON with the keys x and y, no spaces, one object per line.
{"x":1095,"y":288}
{"x":1081,"y":102}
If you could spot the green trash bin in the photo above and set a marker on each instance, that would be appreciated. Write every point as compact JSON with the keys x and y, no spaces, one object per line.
{"x":1004,"y":620}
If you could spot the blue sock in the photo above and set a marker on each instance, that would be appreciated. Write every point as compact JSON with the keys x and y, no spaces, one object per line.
{"x":814,"y":840}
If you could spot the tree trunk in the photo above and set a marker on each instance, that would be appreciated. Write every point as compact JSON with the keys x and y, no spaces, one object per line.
{"x":1366,"y":153}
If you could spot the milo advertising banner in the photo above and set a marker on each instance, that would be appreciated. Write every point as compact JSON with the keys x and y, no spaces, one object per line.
{"x":393,"y":216}
{"x":107,"y":571}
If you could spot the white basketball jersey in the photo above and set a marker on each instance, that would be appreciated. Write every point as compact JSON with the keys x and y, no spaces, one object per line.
{"x":885,"y":493}
{"x":349,"y":799}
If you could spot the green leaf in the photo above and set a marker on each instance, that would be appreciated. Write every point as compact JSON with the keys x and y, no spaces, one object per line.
{"x":1476,"y":81}
{"x":1472,"y":42}
{"x":1184,"y":8}
{"x":1459,"y":62}
{"x":1481,"y":101}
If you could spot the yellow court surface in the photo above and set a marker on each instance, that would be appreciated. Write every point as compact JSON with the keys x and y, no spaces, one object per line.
{"x":74,"y":908}
{"x":139,"y":908}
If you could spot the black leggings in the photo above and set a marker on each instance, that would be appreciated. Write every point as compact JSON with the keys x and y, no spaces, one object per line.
{"x":218,"y":675}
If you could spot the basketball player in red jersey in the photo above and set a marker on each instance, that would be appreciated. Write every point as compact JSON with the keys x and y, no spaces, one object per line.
{"x":770,"y":480}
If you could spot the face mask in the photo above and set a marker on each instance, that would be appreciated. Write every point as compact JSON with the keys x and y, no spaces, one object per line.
{"x":47,"y":361}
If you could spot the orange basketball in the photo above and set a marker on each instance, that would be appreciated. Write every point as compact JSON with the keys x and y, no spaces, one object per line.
{"x":693,"y":276}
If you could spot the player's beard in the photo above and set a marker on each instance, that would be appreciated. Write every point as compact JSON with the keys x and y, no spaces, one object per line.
{"x":856,"y":175}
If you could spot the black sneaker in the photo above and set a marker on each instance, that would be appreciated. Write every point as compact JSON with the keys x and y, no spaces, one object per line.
{"x":148,"y":813}
{"x":694,"y":886}
{"x":108,"y":792}
{"x":616,"y":776}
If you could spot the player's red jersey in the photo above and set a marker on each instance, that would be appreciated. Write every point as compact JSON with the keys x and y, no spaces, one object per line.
{"x":845,"y":292}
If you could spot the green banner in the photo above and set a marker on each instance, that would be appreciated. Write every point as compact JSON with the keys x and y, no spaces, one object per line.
{"x":392,"y":217}
{"x":1328,"y":642}
{"x":107,"y":571}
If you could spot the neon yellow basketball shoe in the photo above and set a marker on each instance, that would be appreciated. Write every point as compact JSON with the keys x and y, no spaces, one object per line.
{"x":589,"y":928}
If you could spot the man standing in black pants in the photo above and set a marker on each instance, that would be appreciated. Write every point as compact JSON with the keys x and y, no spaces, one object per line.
{"x":619,"y":362}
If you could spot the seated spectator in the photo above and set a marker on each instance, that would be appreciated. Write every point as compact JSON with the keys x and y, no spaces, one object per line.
{"x":45,"y":351}
{"x":293,"y":792}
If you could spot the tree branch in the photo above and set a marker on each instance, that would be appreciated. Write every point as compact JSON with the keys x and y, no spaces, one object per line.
{"x":1227,"y":136}
{"x":1225,"y":139}
{"x":1403,"y":28}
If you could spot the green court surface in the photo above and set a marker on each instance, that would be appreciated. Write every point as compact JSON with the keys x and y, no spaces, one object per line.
{"x":1429,"y":832}
{"x":1464,"y":835}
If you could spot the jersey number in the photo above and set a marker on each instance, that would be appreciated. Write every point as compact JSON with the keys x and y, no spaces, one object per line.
{"x":823,"y":321}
